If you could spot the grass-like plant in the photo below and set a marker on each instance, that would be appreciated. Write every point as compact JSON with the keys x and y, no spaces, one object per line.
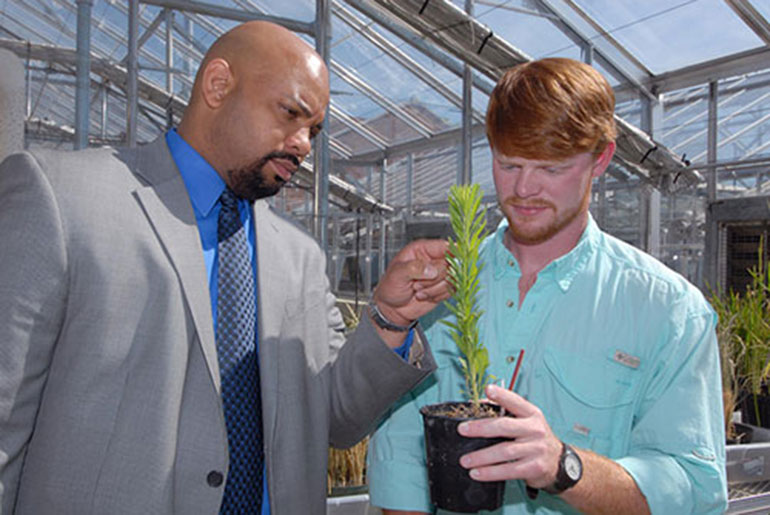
{"x":744,"y":336}
{"x":468,"y":221}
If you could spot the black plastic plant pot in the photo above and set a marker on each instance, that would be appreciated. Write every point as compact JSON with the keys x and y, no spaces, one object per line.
{"x":451,"y":487}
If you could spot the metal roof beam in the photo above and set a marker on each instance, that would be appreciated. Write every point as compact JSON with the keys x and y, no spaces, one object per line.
{"x":457,"y":33}
{"x":346,"y":75}
{"x":396,"y":110}
{"x":227,"y":13}
{"x":387,"y":21}
{"x":117,"y":75}
{"x":463,"y":36}
{"x":752,"y":18}
{"x":602,"y":50}
{"x":749,"y":61}
{"x":419,"y":71}
{"x":439,"y":140}
{"x":358,"y":127}
{"x":123,"y":40}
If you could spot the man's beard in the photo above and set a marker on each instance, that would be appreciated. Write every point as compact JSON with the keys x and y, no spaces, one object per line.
{"x":249,"y":182}
{"x":533,"y":236}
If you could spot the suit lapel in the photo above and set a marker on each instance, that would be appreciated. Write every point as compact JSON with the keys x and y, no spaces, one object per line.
{"x":166,"y":204}
{"x":272,"y":293}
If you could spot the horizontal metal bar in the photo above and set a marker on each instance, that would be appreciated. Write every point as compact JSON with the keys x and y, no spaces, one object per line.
{"x":232,"y":14}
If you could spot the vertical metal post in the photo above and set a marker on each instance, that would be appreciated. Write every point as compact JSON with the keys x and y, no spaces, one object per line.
{"x":188,"y":61}
{"x":103,"y":124}
{"x":321,"y":157}
{"x":711,"y":149}
{"x":650,"y":236}
{"x":383,"y":227}
{"x":369,"y":255}
{"x":383,"y":247}
{"x":28,"y":99}
{"x":409,"y":184}
{"x":169,"y":21}
{"x":711,"y":251}
{"x":465,"y":173}
{"x":168,"y":15}
{"x":28,"y":91}
{"x":83,"y":81}
{"x":132,"y":100}
{"x":383,"y":170}
{"x":335,"y":251}
{"x":587,"y":53}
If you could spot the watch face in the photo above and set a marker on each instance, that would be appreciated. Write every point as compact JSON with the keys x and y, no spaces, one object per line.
{"x":572,"y":466}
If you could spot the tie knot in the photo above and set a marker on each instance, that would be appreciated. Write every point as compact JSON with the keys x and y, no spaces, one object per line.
{"x":229,"y":217}
{"x":229,"y":200}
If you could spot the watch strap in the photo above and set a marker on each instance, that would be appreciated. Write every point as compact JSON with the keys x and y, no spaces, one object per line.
{"x":563,"y":480}
{"x":381,"y":321}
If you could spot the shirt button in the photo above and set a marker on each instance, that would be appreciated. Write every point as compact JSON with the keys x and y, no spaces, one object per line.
{"x":215,"y":478}
{"x":510,"y":359}
{"x":509,"y":303}
{"x":510,"y":262}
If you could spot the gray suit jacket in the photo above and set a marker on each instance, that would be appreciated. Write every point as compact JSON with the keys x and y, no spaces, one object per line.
{"x":109,"y":386}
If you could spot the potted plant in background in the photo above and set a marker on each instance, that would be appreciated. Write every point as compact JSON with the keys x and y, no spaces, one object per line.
{"x":744,"y":340}
{"x":451,"y":487}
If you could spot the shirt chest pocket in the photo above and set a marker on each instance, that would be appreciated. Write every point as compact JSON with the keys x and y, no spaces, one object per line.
{"x":588,"y":400}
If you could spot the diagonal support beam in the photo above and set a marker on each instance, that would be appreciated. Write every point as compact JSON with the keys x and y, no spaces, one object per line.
{"x":463,"y":36}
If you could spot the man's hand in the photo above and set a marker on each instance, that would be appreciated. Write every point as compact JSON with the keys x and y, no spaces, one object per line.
{"x":531,"y":452}
{"x":414,"y":283}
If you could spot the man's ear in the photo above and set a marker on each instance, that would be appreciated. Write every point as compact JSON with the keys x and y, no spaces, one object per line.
{"x":217,"y":82}
{"x":603,"y":160}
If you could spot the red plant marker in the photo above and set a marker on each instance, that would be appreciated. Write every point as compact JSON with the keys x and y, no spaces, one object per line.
{"x":516,"y":370}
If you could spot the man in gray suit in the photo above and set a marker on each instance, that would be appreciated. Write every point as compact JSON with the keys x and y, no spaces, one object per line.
{"x":110,"y":366}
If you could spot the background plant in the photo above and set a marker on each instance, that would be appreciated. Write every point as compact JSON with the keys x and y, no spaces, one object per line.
{"x":468,"y":221}
{"x":347,"y":467}
{"x":744,"y":338}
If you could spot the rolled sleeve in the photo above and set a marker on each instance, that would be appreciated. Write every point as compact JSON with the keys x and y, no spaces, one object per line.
{"x":677,"y":454}
{"x":678,"y":485}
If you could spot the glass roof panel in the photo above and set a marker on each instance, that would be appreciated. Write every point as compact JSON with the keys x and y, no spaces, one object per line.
{"x":526,"y":29}
{"x":303,"y":10}
{"x":661,"y":33}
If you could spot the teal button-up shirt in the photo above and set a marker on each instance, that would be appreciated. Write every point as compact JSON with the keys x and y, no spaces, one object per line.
{"x":620,"y":355}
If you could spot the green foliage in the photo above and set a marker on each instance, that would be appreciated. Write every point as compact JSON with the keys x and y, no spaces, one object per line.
{"x":744,"y":334}
{"x":468,"y":225}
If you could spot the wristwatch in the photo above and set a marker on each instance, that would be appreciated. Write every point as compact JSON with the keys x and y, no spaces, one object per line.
{"x":379,"y":319}
{"x":569,"y":473}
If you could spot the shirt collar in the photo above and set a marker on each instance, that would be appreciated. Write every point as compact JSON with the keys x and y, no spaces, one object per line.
{"x":204,"y":185}
{"x":562,"y":270}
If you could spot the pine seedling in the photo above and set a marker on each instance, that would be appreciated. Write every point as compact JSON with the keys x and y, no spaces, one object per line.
{"x":468,"y":221}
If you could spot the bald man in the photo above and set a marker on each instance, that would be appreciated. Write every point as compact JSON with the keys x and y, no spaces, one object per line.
{"x":116,"y":381}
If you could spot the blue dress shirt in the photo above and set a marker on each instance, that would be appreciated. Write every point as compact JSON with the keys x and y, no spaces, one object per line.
{"x":205,"y":186}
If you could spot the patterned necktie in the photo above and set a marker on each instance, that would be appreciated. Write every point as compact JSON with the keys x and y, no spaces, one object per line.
{"x":238,"y":364}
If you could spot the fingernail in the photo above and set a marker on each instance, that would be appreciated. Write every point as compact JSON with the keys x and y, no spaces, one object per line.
{"x":430,"y":271}
{"x":420,"y":295}
{"x":492,"y":391}
{"x":465,"y":461}
{"x":463,"y":428}
{"x":475,"y":474}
